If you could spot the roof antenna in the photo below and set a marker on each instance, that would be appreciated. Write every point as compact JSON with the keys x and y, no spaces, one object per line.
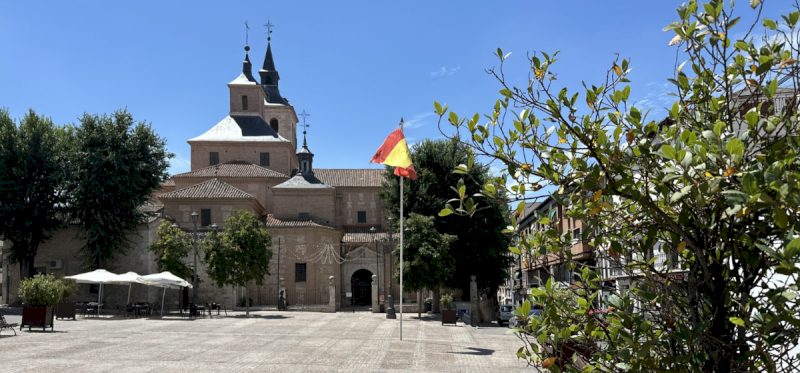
{"x":304,"y":115}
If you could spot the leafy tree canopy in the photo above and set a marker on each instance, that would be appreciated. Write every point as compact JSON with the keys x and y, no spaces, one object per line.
{"x":172,"y":248}
{"x":32,"y":165}
{"x":240,"y":253}
{"x":115,"y":164}
{"x":713,"y":188}
{"x":481,"y":246}
{"x":428,"y":261}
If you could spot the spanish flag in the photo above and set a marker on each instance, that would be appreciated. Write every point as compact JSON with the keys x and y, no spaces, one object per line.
{"x":394,"y":152}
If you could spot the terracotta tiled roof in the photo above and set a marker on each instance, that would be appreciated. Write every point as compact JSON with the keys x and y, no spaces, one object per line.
{"x":370,"y":177}
{"x":152,"y":212}
{"x":210,"y":189}
{"x":232,"y":169}
{"x":273,"y":222}
{"x":168,"y":183}
{"x":362,"y":234}
{"x":303,"y":181}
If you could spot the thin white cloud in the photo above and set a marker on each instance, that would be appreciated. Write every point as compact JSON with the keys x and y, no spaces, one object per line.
{"x":179,"y":164}
{"x":418,"y":120}
{"x":445,"y":71}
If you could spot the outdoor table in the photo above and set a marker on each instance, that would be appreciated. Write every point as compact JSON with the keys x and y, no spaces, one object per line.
{"x":92,"y":308}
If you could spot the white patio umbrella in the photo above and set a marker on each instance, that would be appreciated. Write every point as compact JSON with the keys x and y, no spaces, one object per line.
{"x":98,"y":276}
{"x":128,"y":279}
{"x":165,"y":280}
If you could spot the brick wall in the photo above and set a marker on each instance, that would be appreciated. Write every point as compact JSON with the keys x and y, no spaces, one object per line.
{"x":282,"y":157}
{"x":181,"y":210}
{"x":319,"y":203}
{"x":354,"y":200}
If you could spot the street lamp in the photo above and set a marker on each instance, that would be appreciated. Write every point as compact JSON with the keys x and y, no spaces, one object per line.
{"x":194,"y":276}
{"x":377,"y":266}
{"x":389,"y":298}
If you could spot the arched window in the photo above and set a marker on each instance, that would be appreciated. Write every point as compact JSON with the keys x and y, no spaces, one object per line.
{"x":274,"y":124}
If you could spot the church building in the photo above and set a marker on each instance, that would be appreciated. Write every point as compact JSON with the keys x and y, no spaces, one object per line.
{"x":324,"y":222}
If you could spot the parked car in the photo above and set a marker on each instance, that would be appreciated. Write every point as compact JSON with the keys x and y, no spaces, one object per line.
{"x":504,"y":314}
{"x":515,"y":322}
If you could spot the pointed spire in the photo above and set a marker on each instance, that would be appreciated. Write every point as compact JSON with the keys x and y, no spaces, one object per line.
{"x":269,"y":63}
{"x":269,"y":75}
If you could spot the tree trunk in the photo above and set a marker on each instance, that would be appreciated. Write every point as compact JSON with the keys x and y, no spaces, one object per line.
{"x":26,"y":269}
{"x":718,"y":338}
{"x":419,"y":303}
{"x":246,"y":300}
{"x":437,"y":293}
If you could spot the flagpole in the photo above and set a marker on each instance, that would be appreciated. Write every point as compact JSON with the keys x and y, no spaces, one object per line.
{"x":401,"y":247}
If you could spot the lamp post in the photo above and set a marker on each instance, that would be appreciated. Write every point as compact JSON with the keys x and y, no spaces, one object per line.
{"x":278,"y":276}
{"x":194,"y":276}
{"x":389,"y":298}
{"x":377,"y":266}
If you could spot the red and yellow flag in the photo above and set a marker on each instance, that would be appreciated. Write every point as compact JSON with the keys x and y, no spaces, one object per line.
{"x":394,"y":152}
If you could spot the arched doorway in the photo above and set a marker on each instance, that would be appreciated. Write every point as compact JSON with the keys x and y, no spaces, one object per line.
{"x":361,"y":283}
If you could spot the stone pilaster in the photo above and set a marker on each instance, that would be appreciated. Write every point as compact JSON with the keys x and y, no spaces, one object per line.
{"x":474,"y":307}
{"x":332,"y":295}
{"x":375,"y":304}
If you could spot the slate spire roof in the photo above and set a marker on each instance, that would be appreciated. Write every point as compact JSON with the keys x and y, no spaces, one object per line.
{"x":246,"y":77}
{"x":269,"y":63}
{"x":210,"y":189}
{"x":269,"y":79}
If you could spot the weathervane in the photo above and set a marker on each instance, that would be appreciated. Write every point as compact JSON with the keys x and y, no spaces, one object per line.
{"x":269,"y":26}
{"x":304,"y":115}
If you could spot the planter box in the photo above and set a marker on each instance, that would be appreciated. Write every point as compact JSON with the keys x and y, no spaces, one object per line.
{"x":65,"y":310}
{"x":449,"y":317}
{"x":37,"y":316}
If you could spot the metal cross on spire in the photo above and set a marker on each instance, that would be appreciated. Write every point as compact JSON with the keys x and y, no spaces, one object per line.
{"x":305,"y":125}
{"x":246,"y":33}
{"x":268,"y":26}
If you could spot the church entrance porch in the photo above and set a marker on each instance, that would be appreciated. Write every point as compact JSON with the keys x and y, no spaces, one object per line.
{"x":361,"y":283}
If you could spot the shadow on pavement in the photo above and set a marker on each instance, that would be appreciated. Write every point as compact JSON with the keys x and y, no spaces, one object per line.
{"x":275,"y":317}
{"x":475,"y":351}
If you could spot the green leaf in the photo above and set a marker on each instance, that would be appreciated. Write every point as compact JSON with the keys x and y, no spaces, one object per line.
{"x":780,"y":216}
{"x":754,"y":3}
{"x":737,"y":321}
{"x":669,"y":151}
{"x":445,"y":212}
{"x":770,"y":24}
{"x":735,"y":146}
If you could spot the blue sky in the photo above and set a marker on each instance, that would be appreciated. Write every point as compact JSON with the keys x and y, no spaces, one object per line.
{"x":355,"y":66}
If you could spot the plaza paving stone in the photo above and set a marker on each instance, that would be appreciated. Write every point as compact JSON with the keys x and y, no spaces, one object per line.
{"x":264,"y":342}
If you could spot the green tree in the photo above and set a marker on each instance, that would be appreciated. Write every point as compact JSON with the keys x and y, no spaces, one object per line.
{"x":481,"y":246}
{"x":115,"y":165}
{"x":427,"y":260}
{"x":32,"y":184}
{"x":713,"y":186}
{"x":240,"y":254}
{"x":172,"y":248}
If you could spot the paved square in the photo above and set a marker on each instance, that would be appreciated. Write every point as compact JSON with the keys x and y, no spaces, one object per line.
{"x":264,"y":342}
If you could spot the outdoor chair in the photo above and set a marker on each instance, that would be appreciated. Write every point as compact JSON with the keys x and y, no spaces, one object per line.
{"x":218,"y":307}
{"x":6,"y":325}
